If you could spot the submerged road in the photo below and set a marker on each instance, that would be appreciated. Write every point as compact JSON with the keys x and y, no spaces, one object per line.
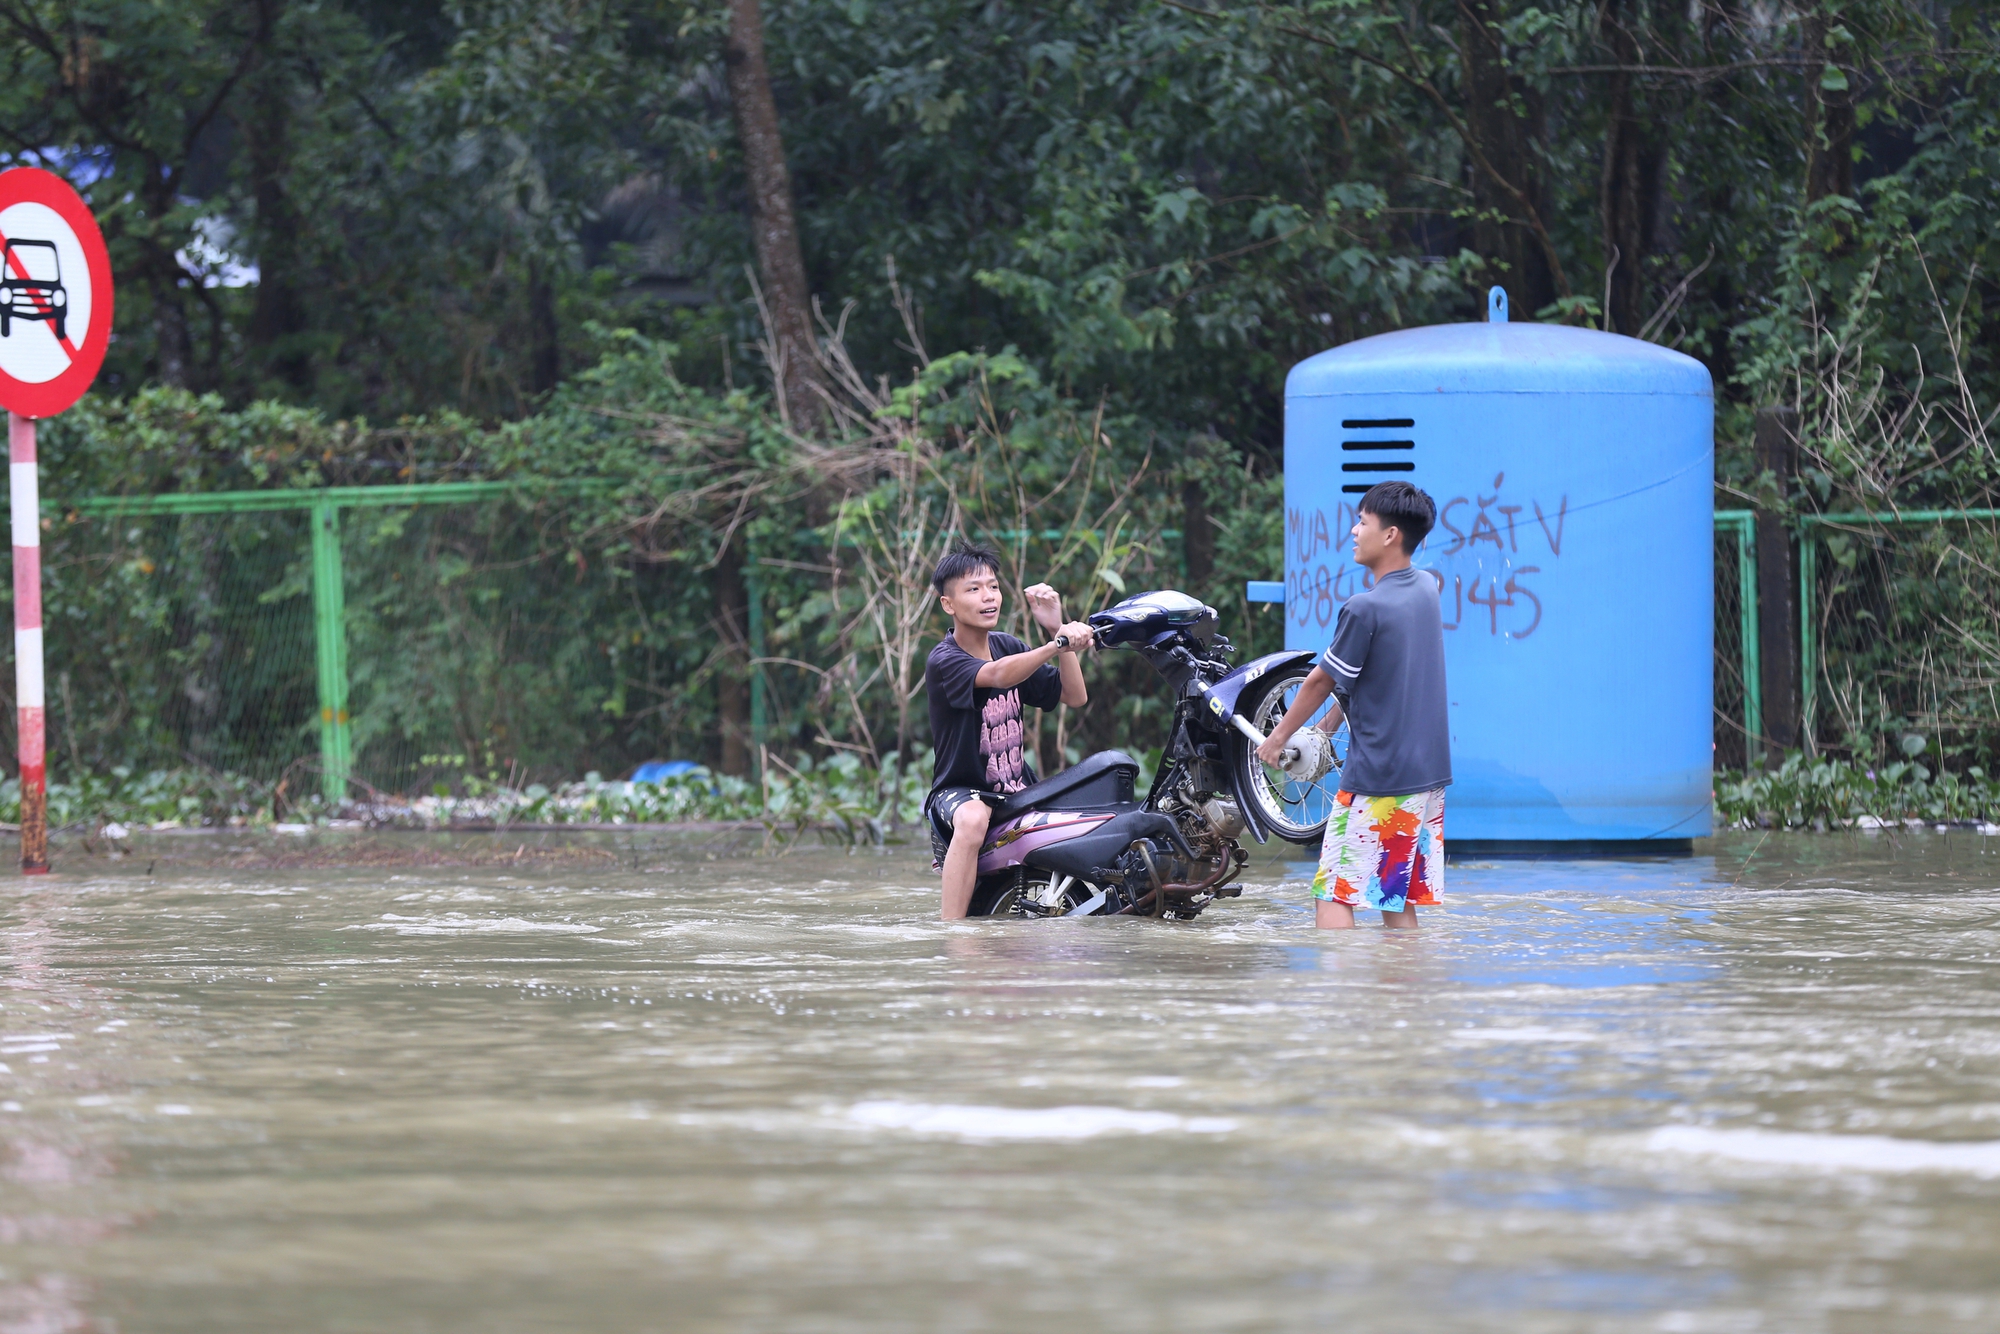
{"x":632,"y":1090}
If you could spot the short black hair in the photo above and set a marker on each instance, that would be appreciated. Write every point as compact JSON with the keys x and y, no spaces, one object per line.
{"x":1403,"y":507}
{"x":962,"y":560}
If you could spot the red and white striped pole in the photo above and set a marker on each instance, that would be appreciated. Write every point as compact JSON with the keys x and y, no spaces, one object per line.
{"x":25,"y":492}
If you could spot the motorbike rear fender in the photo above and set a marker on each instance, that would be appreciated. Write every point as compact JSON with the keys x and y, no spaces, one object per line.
{"x":1224,"y":694}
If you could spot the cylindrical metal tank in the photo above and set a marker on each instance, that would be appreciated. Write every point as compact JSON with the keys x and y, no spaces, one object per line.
{"x":1574,"y":476}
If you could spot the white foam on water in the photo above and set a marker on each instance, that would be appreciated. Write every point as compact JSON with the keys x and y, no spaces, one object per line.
{"x":865,"y":931}
{"x":1849,"y":1153}
{"x":1528,"y":1034}
{"x":458,"y":924}
{"x":961,"y":1121}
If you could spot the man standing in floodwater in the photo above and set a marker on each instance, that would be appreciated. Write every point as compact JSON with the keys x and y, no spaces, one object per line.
{"x":977,"y":680}
{"x":1385,"y":843}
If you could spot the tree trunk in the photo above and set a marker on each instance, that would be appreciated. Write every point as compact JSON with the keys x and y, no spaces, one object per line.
{"x":1629,"y":193}
{"x":732,"y":682}
{"x":173,"y":349}
{"x":544,"y":334}
{"x":1197,"y":537}
{"x":1829,"y":118}
{"x":278,"y":317}
{"x":1776,"y":447}
{"x":1504,"y":118}
{"x":781,"y":267}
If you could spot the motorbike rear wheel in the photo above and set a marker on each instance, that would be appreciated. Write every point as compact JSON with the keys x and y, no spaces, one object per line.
{"x":1295,"y":810}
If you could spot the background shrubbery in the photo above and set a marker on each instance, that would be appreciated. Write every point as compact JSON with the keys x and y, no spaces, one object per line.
{"x":1064,"y":254}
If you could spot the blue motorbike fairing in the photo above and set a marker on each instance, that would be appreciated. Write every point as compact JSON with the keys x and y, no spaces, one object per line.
{"x":1222,"y":696}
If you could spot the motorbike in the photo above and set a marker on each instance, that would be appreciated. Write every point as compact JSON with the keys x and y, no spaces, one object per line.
{"x":1083,"y":844}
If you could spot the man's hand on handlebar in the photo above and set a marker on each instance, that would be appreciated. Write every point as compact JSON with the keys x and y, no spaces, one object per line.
{"x":1081,"y":636}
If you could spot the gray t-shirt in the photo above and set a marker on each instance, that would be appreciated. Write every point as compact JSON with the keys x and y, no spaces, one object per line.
{"x":1387,"y":665}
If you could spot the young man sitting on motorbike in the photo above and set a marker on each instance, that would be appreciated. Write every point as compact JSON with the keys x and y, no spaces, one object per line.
{"x":977,"y":680}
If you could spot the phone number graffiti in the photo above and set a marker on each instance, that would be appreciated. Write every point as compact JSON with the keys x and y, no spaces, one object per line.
{"x":1318,"y":580}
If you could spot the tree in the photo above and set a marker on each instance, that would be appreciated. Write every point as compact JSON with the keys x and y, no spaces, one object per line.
{"x":801,"y":381}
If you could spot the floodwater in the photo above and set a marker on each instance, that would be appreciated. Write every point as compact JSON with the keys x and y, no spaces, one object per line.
{"x":630,"y":1088}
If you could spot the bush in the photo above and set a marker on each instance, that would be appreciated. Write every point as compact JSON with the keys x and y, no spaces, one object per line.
{"x":1828,"y":794}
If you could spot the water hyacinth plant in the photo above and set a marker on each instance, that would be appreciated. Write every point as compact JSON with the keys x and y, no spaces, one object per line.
{"x":838,"y":799}
{"x":1827,"y":794}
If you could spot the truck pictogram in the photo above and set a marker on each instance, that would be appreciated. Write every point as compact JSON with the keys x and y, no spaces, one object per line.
{"x":31,"y":286}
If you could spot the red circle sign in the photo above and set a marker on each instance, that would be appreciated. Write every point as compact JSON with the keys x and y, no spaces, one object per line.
{"x":55,"y":293}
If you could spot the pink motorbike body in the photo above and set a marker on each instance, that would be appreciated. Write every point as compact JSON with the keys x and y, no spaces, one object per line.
{"x":1010,"y":844}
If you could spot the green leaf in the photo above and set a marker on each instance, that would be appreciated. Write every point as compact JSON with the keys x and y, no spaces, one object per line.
{"x":1833,"y":79}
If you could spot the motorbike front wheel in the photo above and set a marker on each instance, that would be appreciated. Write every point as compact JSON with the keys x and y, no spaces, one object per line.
{"x":1296,"y":810}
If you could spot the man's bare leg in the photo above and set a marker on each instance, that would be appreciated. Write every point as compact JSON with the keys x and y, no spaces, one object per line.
{"x":1331,"y":916}
{"x":961,"y":862}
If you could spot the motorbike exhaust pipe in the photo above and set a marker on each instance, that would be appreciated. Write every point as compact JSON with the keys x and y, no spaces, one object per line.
{"x":1152,"y":873}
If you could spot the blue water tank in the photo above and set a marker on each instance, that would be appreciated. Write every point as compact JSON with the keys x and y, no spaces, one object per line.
{"x":1574,"y":476}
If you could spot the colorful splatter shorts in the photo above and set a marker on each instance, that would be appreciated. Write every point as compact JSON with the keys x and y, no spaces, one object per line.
{"x":1383,"y":852}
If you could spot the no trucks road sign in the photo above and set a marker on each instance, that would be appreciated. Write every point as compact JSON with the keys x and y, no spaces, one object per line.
{"x":55,"y":294}
{"x":55,"y":322}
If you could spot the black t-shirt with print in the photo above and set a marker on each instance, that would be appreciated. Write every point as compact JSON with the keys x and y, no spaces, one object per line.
{"x":977,"y":732}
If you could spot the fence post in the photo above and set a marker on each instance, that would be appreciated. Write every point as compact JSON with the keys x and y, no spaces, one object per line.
{"x":330,"y":650}
{"x":1746,"y":605}
{"x":1776,"y":448}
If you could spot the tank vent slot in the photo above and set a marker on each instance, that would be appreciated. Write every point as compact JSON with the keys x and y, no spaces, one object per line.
{"x":1375,"y":446}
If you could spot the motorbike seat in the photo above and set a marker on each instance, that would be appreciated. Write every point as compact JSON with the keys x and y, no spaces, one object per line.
{"x":1099,"y":781}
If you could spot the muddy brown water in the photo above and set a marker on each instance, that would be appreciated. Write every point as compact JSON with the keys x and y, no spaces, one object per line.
{"x":630,"y":1083}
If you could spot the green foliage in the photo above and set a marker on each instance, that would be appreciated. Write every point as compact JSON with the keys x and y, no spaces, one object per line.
{"x":160,"y":798}
{"x":838,"y":799}
{"x":1823,"y":794}
{"x":835,"y":800}
{"x":502,"y":239}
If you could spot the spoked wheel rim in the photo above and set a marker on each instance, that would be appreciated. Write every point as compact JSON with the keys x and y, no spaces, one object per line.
{"x":1293,"y":810}
{"x":1030,"y":899}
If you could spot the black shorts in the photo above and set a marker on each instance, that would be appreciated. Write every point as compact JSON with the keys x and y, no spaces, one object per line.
{"x":941,"y":808}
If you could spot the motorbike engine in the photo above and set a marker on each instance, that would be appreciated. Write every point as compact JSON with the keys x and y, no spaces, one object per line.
{"x":1204,"y":817}
{"x":1224,"y":818}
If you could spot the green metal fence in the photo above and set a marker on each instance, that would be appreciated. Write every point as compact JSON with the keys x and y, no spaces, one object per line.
{"x":1904,"y":633}
{"x":273,"y":592}
{"x":1739,"y":678}
{"x":329,"y":599}
{"x":1899,"y":626}
{"x":264,"y":649}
